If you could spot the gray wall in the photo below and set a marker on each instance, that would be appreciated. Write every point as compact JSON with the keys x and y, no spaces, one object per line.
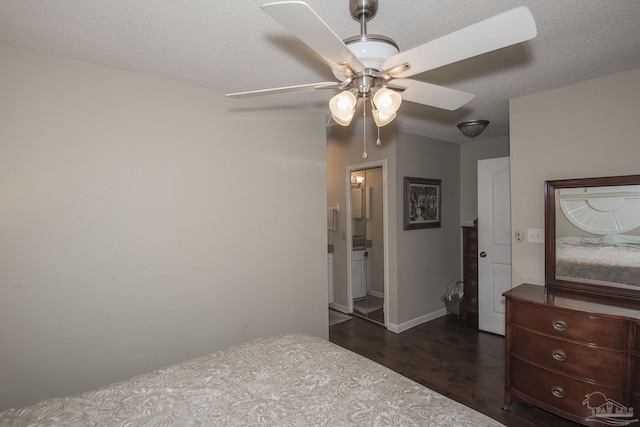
{"x":145,"y":221}
{"x":422,"y":262}
{"x":589,"y":129}
{"x":428,"y":259}
{"x":344,"y":148}
{"x":470,"y":153}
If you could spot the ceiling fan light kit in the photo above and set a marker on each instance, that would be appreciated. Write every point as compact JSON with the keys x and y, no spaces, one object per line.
{"x":384,"y":103}
{"x":372,"y":66}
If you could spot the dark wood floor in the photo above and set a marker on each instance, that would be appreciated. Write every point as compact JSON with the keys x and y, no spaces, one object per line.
{"x":448,"y":355}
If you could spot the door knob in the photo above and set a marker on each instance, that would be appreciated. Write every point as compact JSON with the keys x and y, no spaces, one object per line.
{"x":483,"y":254}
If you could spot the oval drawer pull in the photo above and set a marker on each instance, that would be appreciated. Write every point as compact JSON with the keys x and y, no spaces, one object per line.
{"x":557,"y":391}
{"x":559,"y":325}
{"x":559,"y":355}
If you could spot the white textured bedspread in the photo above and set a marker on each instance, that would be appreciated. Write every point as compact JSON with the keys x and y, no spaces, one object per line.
{"x":292,"y":379}
{"x":617,"y":264}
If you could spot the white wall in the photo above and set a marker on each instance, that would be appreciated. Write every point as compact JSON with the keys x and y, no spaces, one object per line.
{"x":589,"y":129}
{"x":144,"y":221}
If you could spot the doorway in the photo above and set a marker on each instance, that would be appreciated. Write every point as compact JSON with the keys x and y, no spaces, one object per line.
{"x":367,"y":248}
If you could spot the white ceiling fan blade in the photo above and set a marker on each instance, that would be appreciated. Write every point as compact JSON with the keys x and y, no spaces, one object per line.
{"x":304,"y":23}
{"x":277,"y":90}
{"x":505,"y":29}
{"x":435,"y":96}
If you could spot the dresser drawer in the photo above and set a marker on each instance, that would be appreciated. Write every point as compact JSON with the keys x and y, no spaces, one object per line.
{"x":635,"y":401}
{"x":559,"y":391}
{"x":471,"y":289}
{"x":597,"y":364}
{"x":471,"y":269}
{"x":471,"y":248}
{"x":636,"y":377}
{"x":471,"y":240}
{"x":598,"y":331}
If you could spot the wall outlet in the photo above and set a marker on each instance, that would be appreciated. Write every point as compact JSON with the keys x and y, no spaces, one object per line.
{"x":519,"y":235}
{"x":535,"y":235}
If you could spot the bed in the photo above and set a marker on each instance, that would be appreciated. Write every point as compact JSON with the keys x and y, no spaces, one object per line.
{"x":611,"y":258}
{"x":290,"y":379}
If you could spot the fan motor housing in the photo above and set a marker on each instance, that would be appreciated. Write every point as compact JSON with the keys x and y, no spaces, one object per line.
{"x":366,"y":8}
{"x":372,"y":49}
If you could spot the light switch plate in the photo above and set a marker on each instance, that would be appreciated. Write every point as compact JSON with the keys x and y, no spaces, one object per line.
{"x":535,"y":235}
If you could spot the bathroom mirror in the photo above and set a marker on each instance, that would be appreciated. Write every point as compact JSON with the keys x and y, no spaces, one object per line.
{"x":592,"y":236}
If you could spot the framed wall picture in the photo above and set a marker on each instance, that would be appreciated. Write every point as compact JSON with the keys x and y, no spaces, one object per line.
{"x":422,"y":201}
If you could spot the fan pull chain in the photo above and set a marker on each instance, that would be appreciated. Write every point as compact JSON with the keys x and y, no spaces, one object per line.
{"x":364,"y":130}
{"x":378,"y":142}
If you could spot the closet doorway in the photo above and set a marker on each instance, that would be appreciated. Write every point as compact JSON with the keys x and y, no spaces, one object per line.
{"x":367,"y":249}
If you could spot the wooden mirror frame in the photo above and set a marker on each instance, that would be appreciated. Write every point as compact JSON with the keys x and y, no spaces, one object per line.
{"x":577,"y":286}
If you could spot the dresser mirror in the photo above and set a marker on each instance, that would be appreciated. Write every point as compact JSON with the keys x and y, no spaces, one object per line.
{"x":592,"y":236}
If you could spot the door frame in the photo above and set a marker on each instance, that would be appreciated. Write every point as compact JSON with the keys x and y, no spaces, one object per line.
{"x":385,"y":230}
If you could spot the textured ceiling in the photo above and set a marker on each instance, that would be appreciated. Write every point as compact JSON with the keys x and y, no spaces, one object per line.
{"x":232,"y":46}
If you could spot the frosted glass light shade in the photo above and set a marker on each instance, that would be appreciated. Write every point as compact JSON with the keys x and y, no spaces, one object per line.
{"x":387,"y":101}
{"x":343,"y":107}
{"x":382,"y":119}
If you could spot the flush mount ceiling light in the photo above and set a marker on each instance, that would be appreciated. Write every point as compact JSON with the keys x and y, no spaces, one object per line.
{"x":473,"y":128}
{"x":371,"y":65}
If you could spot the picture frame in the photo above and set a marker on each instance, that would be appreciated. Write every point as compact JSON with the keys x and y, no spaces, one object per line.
{"x":422,"y":203}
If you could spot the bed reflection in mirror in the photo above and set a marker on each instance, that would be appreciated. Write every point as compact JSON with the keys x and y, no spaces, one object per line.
{"x":595,"y":232}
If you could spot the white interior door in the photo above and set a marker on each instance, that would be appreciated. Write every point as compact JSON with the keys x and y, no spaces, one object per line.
{"x":494,"y":242}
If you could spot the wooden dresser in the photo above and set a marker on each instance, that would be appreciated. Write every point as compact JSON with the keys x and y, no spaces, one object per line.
{"x":470,"y":268}
{"x":575,"y":356}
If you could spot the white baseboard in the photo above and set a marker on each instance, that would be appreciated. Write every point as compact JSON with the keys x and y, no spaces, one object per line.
{"x":376,"y":294}
{"x":339,"y":307}
{"x":404,"y":325}
{"x":417,"y":321}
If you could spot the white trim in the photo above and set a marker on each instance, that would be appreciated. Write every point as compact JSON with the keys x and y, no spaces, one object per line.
{"x":339,"y":307}
{"x":375,"y":294}
{"x":385,"y":230}
{"x":330,"y":275}
{"x":417,"y":321}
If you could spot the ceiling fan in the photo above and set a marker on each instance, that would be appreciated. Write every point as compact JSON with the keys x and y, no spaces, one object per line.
{"x":372,"y":66}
